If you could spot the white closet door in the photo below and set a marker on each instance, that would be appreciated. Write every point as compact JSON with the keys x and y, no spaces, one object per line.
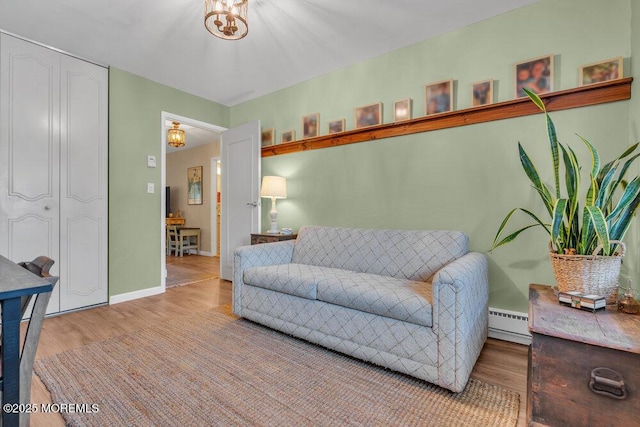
{"x":29,"y":152}
{"x":83,"y":184}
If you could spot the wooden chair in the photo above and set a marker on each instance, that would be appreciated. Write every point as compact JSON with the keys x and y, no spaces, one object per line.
{"x":40,"y":266}
{"x":174,"y":243}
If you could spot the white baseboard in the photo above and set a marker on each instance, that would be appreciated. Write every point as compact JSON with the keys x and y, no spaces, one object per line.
{"x":129,"y":296}
{"x":509,"y":326}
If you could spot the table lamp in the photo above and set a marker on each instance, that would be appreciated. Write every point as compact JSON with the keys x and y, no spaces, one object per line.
{"x":274,"y":187}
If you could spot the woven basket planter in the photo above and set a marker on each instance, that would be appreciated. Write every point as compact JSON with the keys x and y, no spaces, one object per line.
{"x":590,"y":274}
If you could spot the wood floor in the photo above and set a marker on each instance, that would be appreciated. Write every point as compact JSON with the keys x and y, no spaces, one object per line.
{"x":500,"y":363}
{"x":191,"y":269}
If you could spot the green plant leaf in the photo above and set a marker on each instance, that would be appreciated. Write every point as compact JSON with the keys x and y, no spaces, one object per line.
{"x":532,"y":173}
{"x":535,"y":98}
{"x":595,"y":157}
{"x":556,"y":224}
{"x":600,"y":227}
{"x":553,"y":139}
{"x":619,"y":229}
{"x":514,"y":235}
{"x":629,"y":195}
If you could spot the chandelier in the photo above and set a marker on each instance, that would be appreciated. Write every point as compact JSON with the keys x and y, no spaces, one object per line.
{"x":227,"y":19}
{"x":176,"y":137}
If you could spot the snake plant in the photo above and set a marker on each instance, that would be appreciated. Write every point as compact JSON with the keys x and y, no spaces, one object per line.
{"x":576,"y":228}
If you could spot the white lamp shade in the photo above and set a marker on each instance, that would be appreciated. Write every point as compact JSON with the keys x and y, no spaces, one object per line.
{"x":274,"y":186}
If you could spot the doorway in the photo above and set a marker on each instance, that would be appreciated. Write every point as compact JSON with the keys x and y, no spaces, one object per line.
{"x":193,"y":216}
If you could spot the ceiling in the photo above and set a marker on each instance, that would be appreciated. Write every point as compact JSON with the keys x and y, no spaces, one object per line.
{"x":289,"y":41}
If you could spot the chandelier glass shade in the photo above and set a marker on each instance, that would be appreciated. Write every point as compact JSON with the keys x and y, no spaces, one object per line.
{"x":176,"y":137}
{"x":227,"y":19}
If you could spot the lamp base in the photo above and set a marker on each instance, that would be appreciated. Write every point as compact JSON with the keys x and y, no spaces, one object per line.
{"x":272,"y":232}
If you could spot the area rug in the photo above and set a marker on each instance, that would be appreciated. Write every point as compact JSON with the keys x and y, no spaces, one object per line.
{"x":212,"y":368}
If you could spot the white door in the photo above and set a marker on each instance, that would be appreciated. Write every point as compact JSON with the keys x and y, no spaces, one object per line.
{"x":83,"y":183}
{"x":29,"y":153}
{"x":240,"y":195}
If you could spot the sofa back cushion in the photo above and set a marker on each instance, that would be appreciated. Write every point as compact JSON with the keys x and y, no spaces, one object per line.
{"x":404,"y":254}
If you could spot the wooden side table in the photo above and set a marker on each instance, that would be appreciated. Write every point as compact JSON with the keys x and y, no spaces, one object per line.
{"x":175,"y":221}
{"x":583,"y":366}
{"x":258,"y":238}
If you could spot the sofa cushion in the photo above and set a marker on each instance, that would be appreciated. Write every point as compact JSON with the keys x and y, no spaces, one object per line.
{"x":403,"y":254}
{"x":399,"y":299}
{"x":294,"y":279}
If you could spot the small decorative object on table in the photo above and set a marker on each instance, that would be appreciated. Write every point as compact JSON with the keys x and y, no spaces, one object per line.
{"x":286,"y":231}
{"x":581,"y":301}
{"x":628,"y":303}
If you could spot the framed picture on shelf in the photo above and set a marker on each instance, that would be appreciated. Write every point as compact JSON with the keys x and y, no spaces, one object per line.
{"x":599,"y":72}
{"x":402,"y":110}
{"x":336,"y":126}
{"x":482,"y":93}
{"x":534,"y":74}
{"x":268,"y":137}
{"x":288,"y":136}
{"x":368,"y":115}
{"x":310,"y":124}
{"x":438,"y":97}
{"x":194,"y":185}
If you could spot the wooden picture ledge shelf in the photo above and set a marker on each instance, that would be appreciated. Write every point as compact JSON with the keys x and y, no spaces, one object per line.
{"x":600,"y":93}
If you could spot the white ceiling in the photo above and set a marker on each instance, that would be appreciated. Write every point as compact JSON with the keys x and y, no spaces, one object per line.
{"x":289,"y":41}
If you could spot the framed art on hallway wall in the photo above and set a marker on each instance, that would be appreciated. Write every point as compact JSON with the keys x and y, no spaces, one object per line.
{"x":194,"y":176}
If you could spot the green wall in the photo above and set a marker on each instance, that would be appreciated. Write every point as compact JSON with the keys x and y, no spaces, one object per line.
{"x":465,"y":178}
{"x":135,"y":106}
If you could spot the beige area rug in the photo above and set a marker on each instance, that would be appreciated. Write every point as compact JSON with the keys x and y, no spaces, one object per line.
{"x":211,"y":368}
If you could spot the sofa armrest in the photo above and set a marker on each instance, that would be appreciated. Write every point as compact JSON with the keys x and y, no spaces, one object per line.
{"x":460,"y":317}
{"x":256,"y":256}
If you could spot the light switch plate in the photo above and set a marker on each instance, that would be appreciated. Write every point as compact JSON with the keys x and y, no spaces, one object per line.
{"x":151,"y":188}
{"x":151,"y":161}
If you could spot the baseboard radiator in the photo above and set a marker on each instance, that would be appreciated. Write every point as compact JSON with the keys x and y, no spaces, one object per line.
{"x":509,"y":326}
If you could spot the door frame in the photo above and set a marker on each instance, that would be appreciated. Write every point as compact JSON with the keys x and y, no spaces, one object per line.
{"x":214,"y":196}
{"x":164,"y":116}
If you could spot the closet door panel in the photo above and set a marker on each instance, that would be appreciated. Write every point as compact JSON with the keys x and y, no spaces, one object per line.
{"x":29,"y":152}
{"x":83,"y":183}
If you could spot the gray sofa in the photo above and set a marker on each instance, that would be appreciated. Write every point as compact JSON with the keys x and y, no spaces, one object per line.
{"x":412,"y":301}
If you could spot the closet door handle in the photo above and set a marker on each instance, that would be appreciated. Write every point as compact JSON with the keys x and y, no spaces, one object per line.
{"x":47,"y":208}
{"x":253,"y":204}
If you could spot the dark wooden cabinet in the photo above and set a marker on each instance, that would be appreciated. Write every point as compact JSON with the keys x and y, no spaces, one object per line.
{"x":584,"y":368}
{"x":270,"y":238}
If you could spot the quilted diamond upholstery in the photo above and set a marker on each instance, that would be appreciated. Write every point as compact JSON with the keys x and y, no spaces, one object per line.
{"x":443,"y":353}
{"x":293,"y":279}
{"x":399,"y":299}
{"x":403,"y":254}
